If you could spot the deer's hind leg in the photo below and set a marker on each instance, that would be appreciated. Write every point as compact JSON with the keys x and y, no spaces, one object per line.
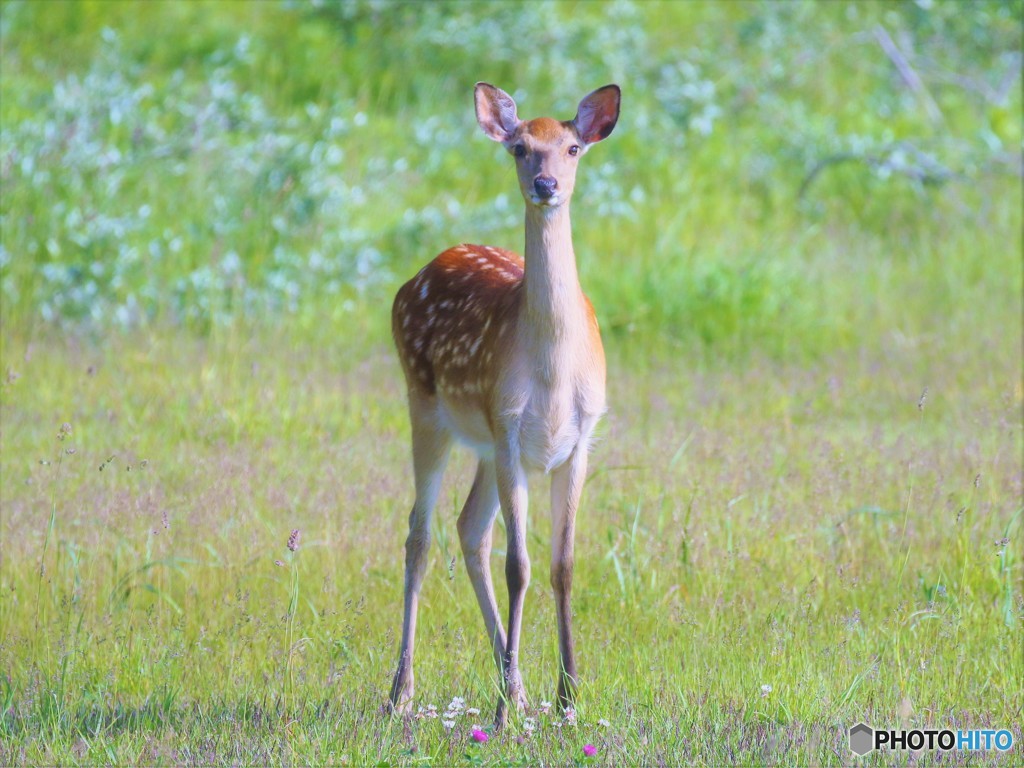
{"x":431,"y":444}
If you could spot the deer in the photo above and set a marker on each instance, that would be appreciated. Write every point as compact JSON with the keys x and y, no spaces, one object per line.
{"x":503,"y":353}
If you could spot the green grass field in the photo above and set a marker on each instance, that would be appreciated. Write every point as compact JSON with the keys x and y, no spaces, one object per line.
{"x":803,"y":242}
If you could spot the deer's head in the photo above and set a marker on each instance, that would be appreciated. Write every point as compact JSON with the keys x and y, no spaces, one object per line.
{"x":547,"y":150}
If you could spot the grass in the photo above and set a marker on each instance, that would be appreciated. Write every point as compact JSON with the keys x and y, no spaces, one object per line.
{"x":754,"y":526}
{"x":804,"y":509}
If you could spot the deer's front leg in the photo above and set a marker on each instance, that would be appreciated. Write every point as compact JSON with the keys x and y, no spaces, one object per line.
{"x":512,"y":492}
{"x":566,"y":489}
{"x":475,"y":526}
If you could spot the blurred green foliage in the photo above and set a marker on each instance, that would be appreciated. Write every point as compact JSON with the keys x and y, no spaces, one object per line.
{"x":788,"y":177}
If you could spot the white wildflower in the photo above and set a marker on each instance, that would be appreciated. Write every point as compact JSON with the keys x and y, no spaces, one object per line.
{"x":455,"y":707}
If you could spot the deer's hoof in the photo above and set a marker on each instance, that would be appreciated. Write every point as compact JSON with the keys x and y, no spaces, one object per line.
{"x":566,"y":695}
{"x":515,"y":695}
{"x":400,"y":700}
{"x":399,"y":708}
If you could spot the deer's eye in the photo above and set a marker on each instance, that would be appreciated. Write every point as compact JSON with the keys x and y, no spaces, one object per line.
{"x":519,"y":150}
{"x":574,"y":150}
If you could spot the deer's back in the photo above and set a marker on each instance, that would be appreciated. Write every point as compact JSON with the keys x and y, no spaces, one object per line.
{"x":449,"y":319}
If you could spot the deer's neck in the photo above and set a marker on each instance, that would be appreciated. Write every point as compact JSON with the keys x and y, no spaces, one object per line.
{"x":555,"y":316}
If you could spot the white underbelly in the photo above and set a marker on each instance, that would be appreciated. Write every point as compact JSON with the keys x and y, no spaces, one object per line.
{"x":549,"y":429}
{"x":469,"y":426}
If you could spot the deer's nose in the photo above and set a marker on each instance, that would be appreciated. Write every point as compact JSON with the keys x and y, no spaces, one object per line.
{"x":545,"y":187}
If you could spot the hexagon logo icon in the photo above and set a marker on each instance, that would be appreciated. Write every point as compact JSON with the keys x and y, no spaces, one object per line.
{"x":862,"y":739}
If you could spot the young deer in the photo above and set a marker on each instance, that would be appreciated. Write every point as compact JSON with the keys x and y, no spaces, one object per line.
{"x":504,"y":353}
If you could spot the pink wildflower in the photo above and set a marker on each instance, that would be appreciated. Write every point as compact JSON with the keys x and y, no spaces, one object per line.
{"x":589,"y":750}
{"x":480,"y":736}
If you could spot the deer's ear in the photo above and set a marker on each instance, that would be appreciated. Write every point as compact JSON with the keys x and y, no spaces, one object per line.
{"x":598,"y":113}
{"x":496,"y":112}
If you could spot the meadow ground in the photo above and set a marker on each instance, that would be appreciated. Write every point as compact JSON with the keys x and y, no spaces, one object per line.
{"x":803,"y":243}
{"x":767,"y":554}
